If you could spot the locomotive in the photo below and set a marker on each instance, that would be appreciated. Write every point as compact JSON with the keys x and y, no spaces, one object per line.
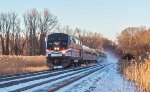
{"x":63,"y":50}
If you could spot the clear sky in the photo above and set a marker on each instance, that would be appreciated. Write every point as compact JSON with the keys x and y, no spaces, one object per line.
{"x":107,"y":17}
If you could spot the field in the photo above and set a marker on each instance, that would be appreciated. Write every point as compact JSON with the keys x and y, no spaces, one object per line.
{"x":139,"y":73}
{"x":21,"y":64}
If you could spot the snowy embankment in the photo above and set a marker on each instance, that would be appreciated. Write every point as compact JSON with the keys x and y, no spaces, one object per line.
{"x":46,"y":80}
{"x":102,"y":77}
{"x":107,"y":80}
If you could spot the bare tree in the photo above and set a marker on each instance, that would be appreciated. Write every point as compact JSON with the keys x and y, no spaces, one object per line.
{"x":14,"y":44}
{"x":134,"y":40}
{"x":31,"y":20}
{"x":47,"y":22}
{"x":8,"y":22}
{"x":93,"y":40}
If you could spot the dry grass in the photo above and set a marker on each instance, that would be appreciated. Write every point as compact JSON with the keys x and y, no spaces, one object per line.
{"x":139,"y":73}
{"x":21,"y":64}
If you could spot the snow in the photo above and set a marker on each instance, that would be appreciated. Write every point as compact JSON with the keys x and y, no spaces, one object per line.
{"x":113,"y":82}
{"x":46,"y":73}
{"x":105,"y":80}
{"x":55,"y":67}
{"x":102,"y":81}
{"x":15,"y":75}
{"x":21,"y":85}
{"x":46,"y":87}
{"x":81,"y":84}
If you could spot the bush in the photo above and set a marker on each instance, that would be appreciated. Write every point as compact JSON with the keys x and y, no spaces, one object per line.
{"x":22,"y":64}
{"x":139,"y":73}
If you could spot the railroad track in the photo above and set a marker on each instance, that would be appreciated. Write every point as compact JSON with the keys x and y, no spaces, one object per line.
{"x":46,"y":80}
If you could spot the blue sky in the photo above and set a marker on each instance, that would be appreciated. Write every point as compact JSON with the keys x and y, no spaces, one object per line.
{"x":108,"y":17}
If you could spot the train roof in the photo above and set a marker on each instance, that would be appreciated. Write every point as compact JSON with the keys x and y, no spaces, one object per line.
{"x":58,"y":34}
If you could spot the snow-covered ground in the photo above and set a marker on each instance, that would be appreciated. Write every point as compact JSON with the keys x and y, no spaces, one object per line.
{"x":106,"y":80}
{"x":113,"y":82}
{"x":102,"y":81}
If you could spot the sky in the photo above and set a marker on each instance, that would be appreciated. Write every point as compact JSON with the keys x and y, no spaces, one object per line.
{"x":108,"y":17}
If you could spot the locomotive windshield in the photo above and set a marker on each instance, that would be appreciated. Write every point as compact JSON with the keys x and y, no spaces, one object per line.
{"x":58,"y":40}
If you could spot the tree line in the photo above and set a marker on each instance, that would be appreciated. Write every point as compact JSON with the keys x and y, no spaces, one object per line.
{"x":26,"y":35}
{"x":134,"y":40}
{"x":30,"y":40}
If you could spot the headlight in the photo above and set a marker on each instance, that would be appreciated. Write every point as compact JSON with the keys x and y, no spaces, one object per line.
{"x":57,"y":48}
{"x":63,"y":52}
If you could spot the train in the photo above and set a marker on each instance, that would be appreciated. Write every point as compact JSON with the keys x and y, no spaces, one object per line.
{"x":63,"y":50}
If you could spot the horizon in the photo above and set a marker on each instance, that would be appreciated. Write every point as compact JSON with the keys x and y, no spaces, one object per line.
{"x":108,"y":17}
